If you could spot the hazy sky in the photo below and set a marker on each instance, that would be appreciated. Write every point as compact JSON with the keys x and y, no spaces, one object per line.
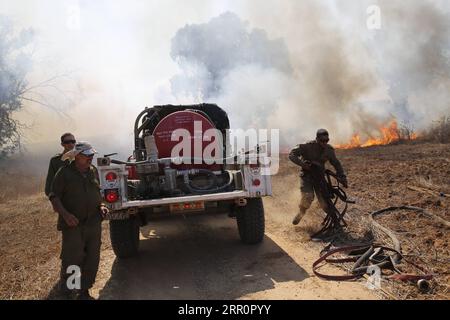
{"x":115,"y":58}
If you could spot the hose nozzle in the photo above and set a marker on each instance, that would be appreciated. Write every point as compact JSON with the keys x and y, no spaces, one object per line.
{"x":423,"y":285}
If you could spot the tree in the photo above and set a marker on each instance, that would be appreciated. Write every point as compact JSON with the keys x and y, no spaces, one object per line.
{"x":406,"y":132}
{"x":15,"y":64}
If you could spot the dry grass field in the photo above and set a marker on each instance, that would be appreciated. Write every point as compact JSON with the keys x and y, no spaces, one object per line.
{"x":378,"y":177}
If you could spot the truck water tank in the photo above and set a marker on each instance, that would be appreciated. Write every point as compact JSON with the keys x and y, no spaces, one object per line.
{"x":195,"y":124}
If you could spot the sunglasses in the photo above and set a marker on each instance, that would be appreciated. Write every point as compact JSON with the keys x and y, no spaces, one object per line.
{"x":324,"y":139}
{"x":68,"y":141}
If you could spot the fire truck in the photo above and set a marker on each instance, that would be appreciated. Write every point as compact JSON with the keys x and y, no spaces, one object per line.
{"x":183,"y":164}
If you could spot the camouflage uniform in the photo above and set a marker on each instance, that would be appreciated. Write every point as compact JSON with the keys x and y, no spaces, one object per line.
{"x":80,"y":195}
{"x":315,"y":153}
{"x":55,"y":164}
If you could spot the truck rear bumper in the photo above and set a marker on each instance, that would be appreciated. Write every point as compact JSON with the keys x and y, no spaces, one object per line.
{"x":204,"y":197}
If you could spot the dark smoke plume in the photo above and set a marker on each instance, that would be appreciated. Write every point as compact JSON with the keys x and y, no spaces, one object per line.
{"x":208,"y":52}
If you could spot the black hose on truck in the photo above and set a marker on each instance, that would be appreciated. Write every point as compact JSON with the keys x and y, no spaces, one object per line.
{"x":213,"y":188}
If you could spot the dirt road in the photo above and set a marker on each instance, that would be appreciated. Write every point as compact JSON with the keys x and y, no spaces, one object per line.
{"x":202,"y":258}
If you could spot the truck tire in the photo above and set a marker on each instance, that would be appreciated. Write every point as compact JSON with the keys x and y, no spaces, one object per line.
{"x":124,"y":237}
{"x":250,"y":221}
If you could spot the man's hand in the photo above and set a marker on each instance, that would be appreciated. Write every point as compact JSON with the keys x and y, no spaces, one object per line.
{"x":70,"y":219}
{"x":104,"y":211}
{"x":306,"y":165}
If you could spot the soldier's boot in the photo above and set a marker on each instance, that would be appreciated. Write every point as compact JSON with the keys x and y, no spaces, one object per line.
{"x":299,"y":216}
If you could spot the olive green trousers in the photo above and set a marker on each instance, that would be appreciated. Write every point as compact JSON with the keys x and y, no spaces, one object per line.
{"x":81,"y":251}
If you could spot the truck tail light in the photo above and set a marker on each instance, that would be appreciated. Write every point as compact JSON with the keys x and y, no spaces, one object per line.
{"x":111,"y":176}
{"x":111,"y":195}
{"x":256,"y":182}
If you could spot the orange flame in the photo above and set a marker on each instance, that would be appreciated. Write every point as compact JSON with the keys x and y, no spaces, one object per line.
{"x":387,"y":135}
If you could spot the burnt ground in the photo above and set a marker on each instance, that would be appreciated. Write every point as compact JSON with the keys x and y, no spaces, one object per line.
{"x":415,"y":175}
{"x":380,"y":177}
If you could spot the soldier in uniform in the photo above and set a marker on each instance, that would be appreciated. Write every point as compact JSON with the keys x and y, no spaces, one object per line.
{"x":75,"y":196}
{"x":67,"y":142}
{"x":316,"y":152}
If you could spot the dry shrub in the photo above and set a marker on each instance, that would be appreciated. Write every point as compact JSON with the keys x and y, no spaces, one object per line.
{"x":439,"y":131}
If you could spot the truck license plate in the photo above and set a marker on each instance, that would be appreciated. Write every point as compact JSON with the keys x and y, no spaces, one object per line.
{"x":187,"y":206}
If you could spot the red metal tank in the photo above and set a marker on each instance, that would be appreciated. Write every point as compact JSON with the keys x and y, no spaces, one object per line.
{"x":196,"y":125}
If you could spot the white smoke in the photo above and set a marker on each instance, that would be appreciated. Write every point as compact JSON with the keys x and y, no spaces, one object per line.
{"x":414,"y":59}
{"x":251,"y":76}
{"x":336,"y":66}
{"x":208,"y":52}
{"x":292,"y":65}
